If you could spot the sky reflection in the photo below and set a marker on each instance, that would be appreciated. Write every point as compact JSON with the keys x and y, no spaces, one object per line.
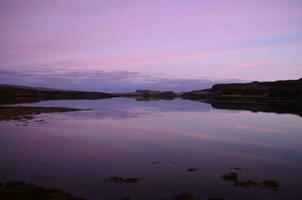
{"x":76,"y":150}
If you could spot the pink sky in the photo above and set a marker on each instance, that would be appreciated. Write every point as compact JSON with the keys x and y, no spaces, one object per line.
{"x":248,"y":40}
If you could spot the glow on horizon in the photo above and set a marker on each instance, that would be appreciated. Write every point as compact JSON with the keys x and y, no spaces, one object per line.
{"x":249,"y":40}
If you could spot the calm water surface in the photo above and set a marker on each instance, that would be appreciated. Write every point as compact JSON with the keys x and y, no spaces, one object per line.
{"x":156,"y":141}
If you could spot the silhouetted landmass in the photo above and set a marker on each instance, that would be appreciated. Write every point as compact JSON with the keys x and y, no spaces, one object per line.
{"x":288,"y":90}
{"x":150,"y":95}
{"x":277,"y":97}
{"x":27,"y":112}
{"x":26,"y":191}
{"x":10,"y":94}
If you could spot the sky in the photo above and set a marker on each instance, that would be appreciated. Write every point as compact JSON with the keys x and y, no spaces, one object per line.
{"x":160,"y":40}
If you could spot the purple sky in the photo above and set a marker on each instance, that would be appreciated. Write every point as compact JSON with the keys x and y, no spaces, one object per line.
{"x":174,"y":39}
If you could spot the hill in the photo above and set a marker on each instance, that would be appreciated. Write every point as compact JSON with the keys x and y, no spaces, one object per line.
{"x":287,"y":90}
{"x":20,"y":94}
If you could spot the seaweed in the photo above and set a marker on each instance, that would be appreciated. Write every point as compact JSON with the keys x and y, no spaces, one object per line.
{"x":192,"y":169}
{"x":231,"y":176}
{"x":234,"y":179}
{"x":271,"y":184}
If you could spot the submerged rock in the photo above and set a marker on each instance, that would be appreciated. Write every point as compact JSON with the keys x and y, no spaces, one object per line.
{"x":271,"y":184}
{"x":192,"y":169}
{"x":122,"y":180}
{"x":234,"y":179}
{"x":235,"y":168}
{"x":231,"y":176}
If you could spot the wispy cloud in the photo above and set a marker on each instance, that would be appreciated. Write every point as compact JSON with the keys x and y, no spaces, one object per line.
{"x":168,"y":37}
{"x":96,"y":80}
{"x":243,"y":65}
{"x":258,"y":128}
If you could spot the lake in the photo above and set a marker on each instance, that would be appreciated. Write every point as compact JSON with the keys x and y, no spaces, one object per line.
{"x":170,"y":146}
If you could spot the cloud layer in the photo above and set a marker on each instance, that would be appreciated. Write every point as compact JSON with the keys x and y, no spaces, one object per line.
{"x":117,"y":81}
{"x":179,"y":39}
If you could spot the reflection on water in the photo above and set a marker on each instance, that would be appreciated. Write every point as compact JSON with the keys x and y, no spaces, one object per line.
{"x":169,"y":146}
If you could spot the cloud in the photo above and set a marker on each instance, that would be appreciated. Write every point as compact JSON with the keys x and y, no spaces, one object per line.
{"x":97,"y":80}
{"x":243,"y":65}
{"x":256,"y":128}
{"x":184,"y":39}
{"x":273,"y":63}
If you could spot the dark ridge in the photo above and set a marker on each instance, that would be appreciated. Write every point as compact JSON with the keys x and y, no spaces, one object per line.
{"x":286,"y":90}
{"x":20,"y":94}
{"x":278,"y":97}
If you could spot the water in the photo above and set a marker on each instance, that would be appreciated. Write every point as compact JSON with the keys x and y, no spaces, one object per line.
{"x":156,"y":141}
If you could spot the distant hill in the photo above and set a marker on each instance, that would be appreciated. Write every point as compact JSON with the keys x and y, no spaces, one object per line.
{"x":286,"y":89}
{"x":19,"y":94}
{"x":278,"y":96}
